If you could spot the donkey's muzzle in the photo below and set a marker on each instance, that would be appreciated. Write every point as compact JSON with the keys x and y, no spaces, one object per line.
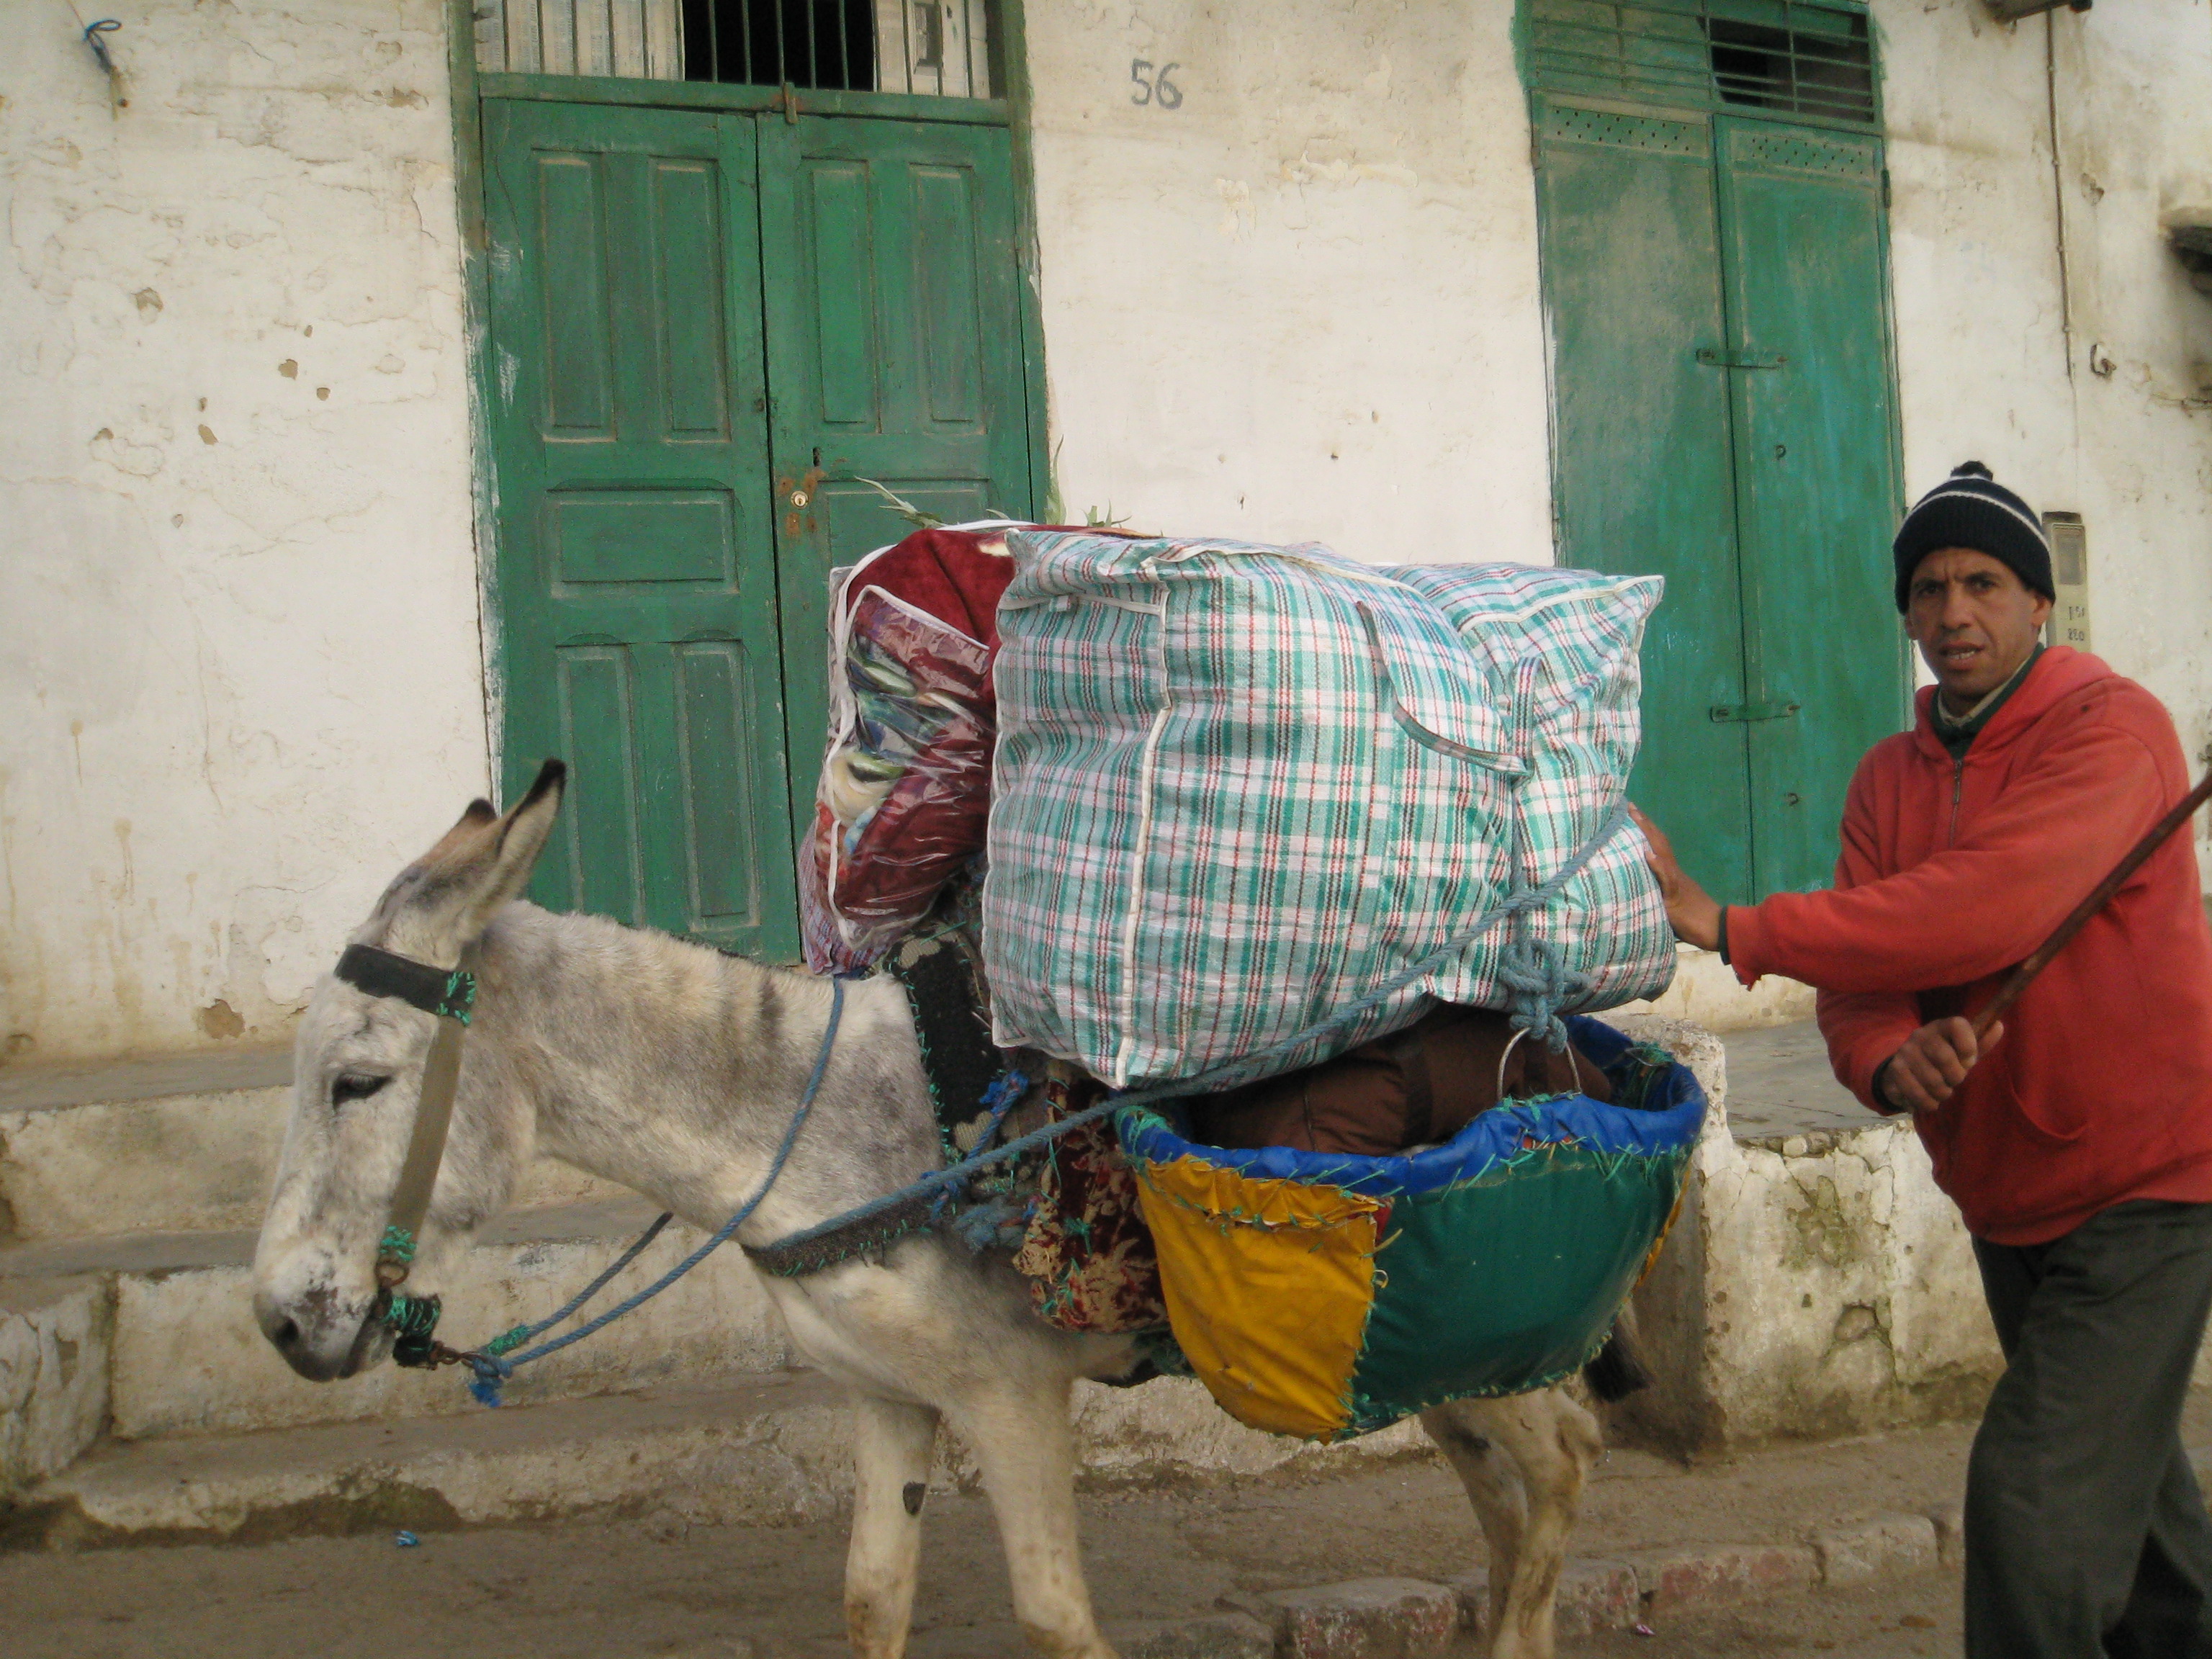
{"x":321,"y":1350}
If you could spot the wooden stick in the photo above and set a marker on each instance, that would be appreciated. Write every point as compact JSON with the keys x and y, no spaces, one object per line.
{"x":2088,"y":907}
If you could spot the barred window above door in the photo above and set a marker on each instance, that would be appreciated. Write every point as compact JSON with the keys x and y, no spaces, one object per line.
{"x":1794,"y":59}
{"x":934,"y":48}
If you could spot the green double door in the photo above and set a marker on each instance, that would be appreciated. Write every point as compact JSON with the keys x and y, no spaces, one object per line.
{"x":706,"y":329}
{"x":1717,"y":289}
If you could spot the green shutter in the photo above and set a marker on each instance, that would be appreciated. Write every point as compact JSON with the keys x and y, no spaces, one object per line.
{"x":1631,"y":256}
{"x":1816,"y":488}
{"x":657,"y":277}
{"x":888,"y":261}
{"x":637,"y":571}
{"x":1716,"y":282}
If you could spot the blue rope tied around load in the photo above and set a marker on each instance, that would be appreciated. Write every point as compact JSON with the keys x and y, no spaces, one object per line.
{"x":1535,"y":972}
{"x":944,"y":1181}
{"x":492,"y":1369}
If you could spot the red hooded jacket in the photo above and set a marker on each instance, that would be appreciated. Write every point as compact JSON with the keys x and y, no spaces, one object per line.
{"x":2101,"y":1089}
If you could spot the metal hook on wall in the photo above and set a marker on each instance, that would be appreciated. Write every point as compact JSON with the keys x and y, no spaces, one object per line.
{"x":93,"y":31}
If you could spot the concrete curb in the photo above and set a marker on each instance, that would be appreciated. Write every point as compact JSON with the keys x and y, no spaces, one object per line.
{"x":1414,"y":1618}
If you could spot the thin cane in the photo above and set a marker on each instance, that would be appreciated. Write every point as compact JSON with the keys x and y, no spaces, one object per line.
{"x":2088,"y":907}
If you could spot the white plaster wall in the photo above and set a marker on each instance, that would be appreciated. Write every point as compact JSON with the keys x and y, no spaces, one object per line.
{"x":240,"y":677}
{"x":239,"y":673}
{"x":1983,"y":334}
{"x":1304,"y":305}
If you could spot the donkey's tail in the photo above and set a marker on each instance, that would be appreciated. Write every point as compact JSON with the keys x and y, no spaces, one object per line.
{"x":1618,"y":1370}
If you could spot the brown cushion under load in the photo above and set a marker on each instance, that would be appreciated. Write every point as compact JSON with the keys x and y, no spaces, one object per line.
{"x":1415,"y":1087}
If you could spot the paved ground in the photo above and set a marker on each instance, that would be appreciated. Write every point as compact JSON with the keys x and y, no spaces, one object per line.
{"x":655,"y":1587}
{"x":1904,"y":1620}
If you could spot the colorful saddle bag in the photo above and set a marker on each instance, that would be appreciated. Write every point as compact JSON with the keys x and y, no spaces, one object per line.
{"x":1325,"y":1294}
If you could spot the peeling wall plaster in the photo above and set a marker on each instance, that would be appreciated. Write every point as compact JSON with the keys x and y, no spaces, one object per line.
{"x":238,"y":600}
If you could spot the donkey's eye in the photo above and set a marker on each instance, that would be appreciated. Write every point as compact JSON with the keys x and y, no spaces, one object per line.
{"x":354,"y":1086}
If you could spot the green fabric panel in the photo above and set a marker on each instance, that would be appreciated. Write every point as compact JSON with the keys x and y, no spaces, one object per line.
{"x":1496,"y":1287}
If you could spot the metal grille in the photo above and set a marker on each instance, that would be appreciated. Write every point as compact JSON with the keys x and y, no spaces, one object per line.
{"x":1568,"y":125}
{"x":1786,"y":56}
{"x":1797,"y":152}
{"x":639,"y":40}
{"x":933,"y":48}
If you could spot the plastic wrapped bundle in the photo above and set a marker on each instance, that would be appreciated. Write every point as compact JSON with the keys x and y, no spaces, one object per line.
{"x":905,"y":786}
{"x":1239,"y":789}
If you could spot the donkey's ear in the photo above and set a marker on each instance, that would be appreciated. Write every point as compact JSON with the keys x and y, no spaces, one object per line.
{"x":515,"y":842}
{"x":447,"y":897}
{"x":475,"y":817}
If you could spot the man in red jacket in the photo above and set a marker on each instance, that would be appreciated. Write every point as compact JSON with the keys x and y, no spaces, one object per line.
{"x":2077,"y":1138}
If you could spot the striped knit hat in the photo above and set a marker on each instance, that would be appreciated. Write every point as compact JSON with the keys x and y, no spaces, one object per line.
{"x":1971,"y":509}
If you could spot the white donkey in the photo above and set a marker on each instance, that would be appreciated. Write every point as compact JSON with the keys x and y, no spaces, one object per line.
{"x":674,"y":1070}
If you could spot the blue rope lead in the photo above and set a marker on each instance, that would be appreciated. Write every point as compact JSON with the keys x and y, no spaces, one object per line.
{"x":522,"y":1334}
{"x":492,"y":1370}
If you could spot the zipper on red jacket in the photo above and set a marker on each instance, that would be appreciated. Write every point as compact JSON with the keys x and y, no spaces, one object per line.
{"x":1958,"y":788}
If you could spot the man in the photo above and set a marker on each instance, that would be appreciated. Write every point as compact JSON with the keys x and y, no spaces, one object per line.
{"x":2077,"y":1138}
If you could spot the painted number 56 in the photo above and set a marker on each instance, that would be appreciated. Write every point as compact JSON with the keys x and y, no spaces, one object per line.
{"x":1155,"y":88}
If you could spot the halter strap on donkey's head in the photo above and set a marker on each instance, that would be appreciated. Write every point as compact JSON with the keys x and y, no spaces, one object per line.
{"x":449,"y":896}
{"x":448,"y":994}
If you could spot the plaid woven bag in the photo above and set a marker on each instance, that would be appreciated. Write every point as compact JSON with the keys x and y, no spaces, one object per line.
{"x":1238,"y":788}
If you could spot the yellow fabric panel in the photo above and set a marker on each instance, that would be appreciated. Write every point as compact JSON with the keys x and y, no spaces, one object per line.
{"x":1268,"y":1284}
{"x":1651,"y":1255}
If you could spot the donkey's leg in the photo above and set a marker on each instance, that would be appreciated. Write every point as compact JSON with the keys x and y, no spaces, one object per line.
{"x":1463,"y":1430}
{"x":1021,"y":1438}
{"x":1554,"y":1442}
{"x":891,"y":1446}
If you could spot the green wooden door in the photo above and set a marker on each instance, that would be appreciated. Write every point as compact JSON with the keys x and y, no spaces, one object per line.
{"x":1816,"y":483}
{"x":637,"y":562}
{"x":662,"y":280}
{"x":1716,"y":291}
{"x":1630,"y":250}
{"x":893,"y":308}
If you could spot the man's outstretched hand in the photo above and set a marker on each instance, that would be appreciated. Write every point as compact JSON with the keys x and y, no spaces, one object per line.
{"x":1934,"y":1061}
{"x":1695,"y":916}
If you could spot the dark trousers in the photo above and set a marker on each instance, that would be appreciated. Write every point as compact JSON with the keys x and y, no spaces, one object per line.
{"x":2086,"y":1534}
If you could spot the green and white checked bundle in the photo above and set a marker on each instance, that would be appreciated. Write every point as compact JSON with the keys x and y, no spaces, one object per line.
{"x":1239,"y":789}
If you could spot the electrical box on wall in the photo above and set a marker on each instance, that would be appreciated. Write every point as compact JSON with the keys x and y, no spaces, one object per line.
{"x":2069,"y":575}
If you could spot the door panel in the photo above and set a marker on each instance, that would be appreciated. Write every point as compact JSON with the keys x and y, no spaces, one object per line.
{"x":1816,"y":489}
{"x":894,"y":323}
{"x":637,"y":566}
{"x":1632,"y":253}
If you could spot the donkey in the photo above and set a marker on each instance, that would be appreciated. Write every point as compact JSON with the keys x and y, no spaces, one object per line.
{"x":674,"y":1069}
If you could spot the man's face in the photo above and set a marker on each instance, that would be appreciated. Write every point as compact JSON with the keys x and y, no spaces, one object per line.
{"x":1974,"y":621}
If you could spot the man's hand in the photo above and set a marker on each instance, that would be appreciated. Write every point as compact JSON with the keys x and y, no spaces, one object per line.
{"x":1696,"y":918}
{"x":1934,"y":1061}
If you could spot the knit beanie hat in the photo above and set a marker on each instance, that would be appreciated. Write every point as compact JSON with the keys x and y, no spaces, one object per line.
{"x":1971,"y":509}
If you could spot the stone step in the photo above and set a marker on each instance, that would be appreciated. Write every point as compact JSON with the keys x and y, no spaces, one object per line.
{"x":185,"y":1357}
{"x":172,"y":1145}
{"x":56,"y":1335}
{"x":764,"y":1448}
